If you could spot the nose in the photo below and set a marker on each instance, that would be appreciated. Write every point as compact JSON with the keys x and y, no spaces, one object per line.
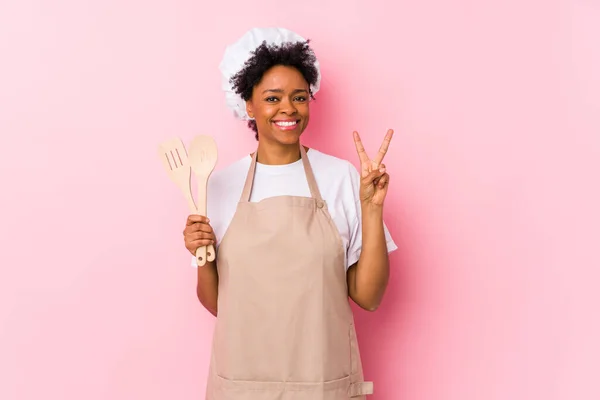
{"x":288,"y":107}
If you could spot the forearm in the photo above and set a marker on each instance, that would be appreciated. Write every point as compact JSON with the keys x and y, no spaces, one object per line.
{"x":371,"y":273}
{"x":207,"y":288}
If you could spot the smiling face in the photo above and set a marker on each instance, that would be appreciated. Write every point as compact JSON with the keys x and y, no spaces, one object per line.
{"x":279,"y":104}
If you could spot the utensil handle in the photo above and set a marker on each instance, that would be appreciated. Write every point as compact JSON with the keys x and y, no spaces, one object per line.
{"x":201,"y":256}
{"x":201,"y":252}
{"x":208,"y":252}
{"x":187,"y":192}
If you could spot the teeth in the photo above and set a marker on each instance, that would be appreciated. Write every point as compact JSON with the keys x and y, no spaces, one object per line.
{"x":286,"y":123}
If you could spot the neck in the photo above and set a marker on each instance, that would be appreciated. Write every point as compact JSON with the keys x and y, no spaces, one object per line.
{"x":277,"y":154}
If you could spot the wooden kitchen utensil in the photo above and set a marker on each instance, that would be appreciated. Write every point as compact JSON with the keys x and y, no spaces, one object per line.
{"x":203,"y":158}
{"x":175,"y":160}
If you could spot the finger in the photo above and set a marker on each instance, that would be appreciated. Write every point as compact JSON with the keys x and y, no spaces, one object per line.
{"x":371,"y":167}
{"x":199,"y":243}
{"x":384,"y":180}
{"x":193,"y":218}
{"x":360,"y":149}
{"x":202,"y":227}
{"x":197,"y":227}
{"x":381,"y":173}
{"x":384,"y":147}
{"x":201,"y":236}
{"x":373,"y":177}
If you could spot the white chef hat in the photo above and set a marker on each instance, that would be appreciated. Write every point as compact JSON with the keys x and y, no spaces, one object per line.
{"x":239,"y":52}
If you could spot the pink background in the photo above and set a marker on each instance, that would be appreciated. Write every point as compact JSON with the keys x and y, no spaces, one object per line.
{"x":493,"y":203}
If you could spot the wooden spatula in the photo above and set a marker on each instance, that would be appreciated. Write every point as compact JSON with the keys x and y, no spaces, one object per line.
{"x":175,"y":160}
{"x":203,"y":158}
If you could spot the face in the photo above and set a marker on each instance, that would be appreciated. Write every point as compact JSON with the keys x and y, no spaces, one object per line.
{"x":279,"y":105}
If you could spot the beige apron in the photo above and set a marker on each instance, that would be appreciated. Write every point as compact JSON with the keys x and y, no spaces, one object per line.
{"x":285,"y":329}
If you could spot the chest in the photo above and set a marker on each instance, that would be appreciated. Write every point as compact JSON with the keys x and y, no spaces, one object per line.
{"x":291,"y":183}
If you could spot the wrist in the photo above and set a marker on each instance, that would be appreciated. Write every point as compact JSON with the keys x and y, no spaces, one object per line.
{"x":372,"y":211}
{"x":370,"y":208}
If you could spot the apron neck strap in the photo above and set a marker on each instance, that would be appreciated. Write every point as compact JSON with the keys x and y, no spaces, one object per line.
{"x":310,"y":177}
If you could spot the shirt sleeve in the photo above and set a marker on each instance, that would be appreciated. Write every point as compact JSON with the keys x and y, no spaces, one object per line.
{"x":355,"y":243}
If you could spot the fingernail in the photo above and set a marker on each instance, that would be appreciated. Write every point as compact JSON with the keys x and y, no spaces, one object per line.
{"x":382,"y":170}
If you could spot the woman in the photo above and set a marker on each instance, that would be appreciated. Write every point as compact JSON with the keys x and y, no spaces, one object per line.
{"x":297,"y":232}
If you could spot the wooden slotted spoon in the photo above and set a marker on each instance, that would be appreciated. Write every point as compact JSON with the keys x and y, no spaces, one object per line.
{"x":175,"y":160}
{"x":203,"y":158}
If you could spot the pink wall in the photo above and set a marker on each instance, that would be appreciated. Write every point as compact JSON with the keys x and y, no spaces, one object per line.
{"x":494,"y":196}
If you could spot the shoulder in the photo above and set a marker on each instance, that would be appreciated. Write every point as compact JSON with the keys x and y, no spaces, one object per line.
{"x":338,"y":180}
{"x":230,"y":174}
{"x":334,"y":170}
{"x":335,"y":165}
{"x":224,"y":189}
{"x":225,"y":185}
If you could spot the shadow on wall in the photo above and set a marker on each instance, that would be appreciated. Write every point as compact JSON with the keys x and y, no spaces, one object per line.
{"x":383,"y":335}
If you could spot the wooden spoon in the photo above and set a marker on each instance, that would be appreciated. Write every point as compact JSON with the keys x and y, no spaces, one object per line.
{"x":203,"y":158}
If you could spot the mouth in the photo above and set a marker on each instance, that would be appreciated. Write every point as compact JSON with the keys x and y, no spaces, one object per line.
{"x":287,"y":125}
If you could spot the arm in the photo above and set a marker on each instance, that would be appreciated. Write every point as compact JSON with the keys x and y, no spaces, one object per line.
{"x":368,"y":278}
{"x":207,"y":288}
{"x":198,"y":232}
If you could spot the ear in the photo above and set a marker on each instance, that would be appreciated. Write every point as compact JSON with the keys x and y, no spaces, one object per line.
{"x":249,"y":109}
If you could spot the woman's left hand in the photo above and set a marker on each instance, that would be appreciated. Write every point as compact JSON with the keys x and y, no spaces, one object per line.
{"x":374,"y":178}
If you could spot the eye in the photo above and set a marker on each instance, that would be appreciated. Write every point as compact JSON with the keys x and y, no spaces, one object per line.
{"x":271,"y":99}
{"x":300,"y":98}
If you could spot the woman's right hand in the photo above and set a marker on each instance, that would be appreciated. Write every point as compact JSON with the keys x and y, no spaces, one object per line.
{"x":198,"y":233}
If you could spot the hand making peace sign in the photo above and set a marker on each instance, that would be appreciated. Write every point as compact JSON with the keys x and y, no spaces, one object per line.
{"x":374,"y":179}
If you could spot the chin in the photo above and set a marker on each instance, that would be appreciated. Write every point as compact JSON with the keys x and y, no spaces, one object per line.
{"x":287,"y":136}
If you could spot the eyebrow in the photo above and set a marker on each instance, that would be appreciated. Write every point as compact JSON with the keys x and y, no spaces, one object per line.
{"x":281,"y":91}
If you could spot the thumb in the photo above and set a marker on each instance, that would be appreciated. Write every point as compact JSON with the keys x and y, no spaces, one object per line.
{"x":373,"y":175}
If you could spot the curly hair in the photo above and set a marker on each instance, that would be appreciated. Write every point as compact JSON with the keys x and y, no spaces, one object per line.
{"x":297,"y":55}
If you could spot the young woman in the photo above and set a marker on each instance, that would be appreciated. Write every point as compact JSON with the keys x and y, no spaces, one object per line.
{"x":298,"y":232}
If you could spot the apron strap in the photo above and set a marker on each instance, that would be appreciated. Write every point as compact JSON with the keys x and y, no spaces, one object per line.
{"x":310,"y":177}
{"x":249,"y":180}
